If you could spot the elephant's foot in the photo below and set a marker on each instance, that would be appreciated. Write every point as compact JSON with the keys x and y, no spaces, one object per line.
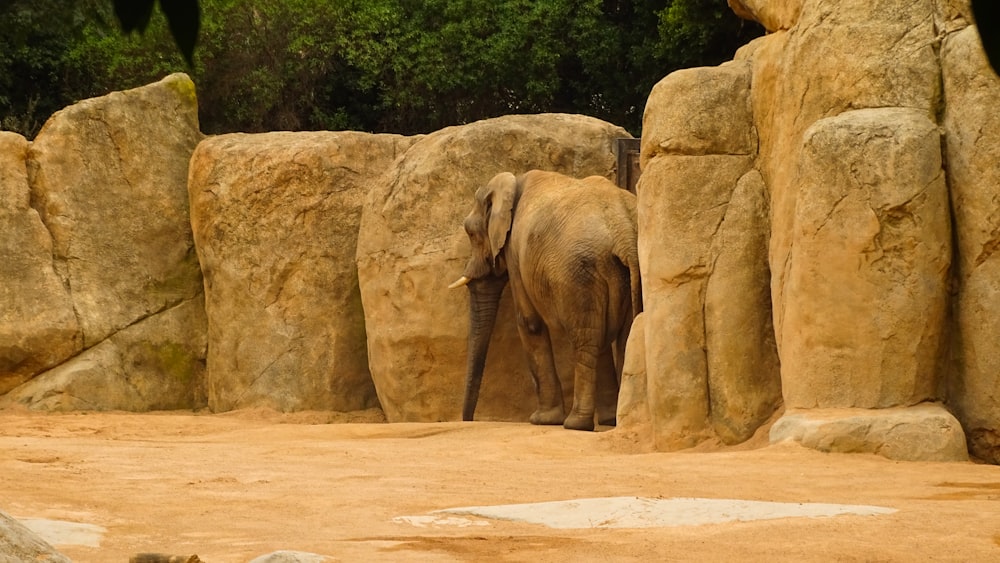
{"x":607,"y":415}
{"x":554,"y":415}
{"x":578,"y":421}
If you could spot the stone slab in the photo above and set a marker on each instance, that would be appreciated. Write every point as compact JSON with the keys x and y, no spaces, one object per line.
{"x":924,"y":432}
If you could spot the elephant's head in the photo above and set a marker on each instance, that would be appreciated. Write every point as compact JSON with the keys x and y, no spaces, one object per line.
{"x":485,"y":274}
{"x":488,"y":226}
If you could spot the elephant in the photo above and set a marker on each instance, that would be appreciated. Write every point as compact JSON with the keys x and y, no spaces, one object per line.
{"x":568,"y":248}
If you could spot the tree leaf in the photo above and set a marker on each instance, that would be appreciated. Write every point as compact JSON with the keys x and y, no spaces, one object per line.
{"x":987,"y":15}
{"x":184,"y":19}
{"x":133,"y":15}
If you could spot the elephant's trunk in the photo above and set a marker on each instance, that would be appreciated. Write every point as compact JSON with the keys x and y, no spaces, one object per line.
{"x":484,"y":300}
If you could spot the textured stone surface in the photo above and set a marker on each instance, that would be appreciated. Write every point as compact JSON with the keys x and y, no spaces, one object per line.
{"x":710,"y":358}
{"x":848,"y":206}
{"x":18,"y":543}
{"x":109,"y":177}
{"x":37,"y":326}
{"x":840,"y":56}
{"x":154,"y":364}
{"x":699,"y":111}
{"x":744,"y":384}
{"x":866,"y":290}
{"x":276,"y":219}
{"x":772,"y":14}
{"x":709,"y":338}
{"x":972,"y":143}
{"x":412,"y":245}
{"x":633,"y":405}
{"x":924,"y":432}
{"x":107,"y":246}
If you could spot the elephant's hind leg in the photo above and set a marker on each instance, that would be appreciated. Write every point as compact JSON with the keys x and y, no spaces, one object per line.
{"x":535,"y":338}
{"x":581,"y":416}
{"x":607,"y":388}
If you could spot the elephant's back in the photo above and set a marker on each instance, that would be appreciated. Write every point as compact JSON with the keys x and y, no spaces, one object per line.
{"x":571,"y":231}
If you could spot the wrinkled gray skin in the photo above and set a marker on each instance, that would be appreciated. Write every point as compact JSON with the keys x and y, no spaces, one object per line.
{"x":568,"y":249}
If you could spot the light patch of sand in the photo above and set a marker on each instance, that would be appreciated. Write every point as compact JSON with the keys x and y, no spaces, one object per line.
{"x":60,"y":532}
{"x":639,"y":512}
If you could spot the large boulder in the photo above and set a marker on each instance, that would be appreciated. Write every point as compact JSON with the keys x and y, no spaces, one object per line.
{"x":154,"y":364}
{"x":841,"y":55}
{"x":412,"y":246}
{"x":633,"y":416}
{"x":276,"y":218}
{"x":923,"y":432}
{"x":867,"y":284}
{"x":772,"y":15}
{"x":108,"y":181}
{"x":972,"y":143}
{"x":860,"y":235}
{"x":38,"y":328}
{"x":710,"y":359}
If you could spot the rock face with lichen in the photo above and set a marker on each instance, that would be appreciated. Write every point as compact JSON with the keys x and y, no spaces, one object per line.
{"x":102,"y":302}
{"x":865,"y":175}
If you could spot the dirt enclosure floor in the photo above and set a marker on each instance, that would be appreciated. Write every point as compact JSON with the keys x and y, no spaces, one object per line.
{"x":233,"y":487}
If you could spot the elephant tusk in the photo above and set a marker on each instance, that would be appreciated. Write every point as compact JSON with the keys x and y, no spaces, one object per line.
{"x":459,"y":282}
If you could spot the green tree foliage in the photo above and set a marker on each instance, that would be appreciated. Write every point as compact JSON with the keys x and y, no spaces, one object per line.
{"x":406,"y":66}
{"x":35,"y":35}
{"x":183,"y":19}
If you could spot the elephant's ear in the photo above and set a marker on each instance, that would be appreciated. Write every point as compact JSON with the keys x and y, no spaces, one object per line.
{"x":500,"y":195}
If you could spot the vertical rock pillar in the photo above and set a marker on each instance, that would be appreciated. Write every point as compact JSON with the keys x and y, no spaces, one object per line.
{"x":972,"y":142}
{"x":710,"y":359}
{"x":866,"y":293}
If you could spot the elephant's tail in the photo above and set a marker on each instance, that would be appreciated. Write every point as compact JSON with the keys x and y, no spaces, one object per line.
{"x":630,"y":259}
{"x":633,"y":276}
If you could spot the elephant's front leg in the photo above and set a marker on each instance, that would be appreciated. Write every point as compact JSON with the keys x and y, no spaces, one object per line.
{"x":535,"y":337}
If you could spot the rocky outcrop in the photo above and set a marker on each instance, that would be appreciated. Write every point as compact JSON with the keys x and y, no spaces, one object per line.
{"x":412,"y":246}
{"x":276,"y":219}
{"x":102,"y":256}
{"x":853,"y":207}
{"x":709,"y":351}
{"x":972,"y":145}
{"x":633,"y":416}
{"x":865,"y":293}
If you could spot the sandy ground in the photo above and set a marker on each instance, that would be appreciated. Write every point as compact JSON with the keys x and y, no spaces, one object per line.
{"x":233,"y":487}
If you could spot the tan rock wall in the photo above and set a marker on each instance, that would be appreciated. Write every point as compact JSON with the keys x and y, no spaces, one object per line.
{"x":972,"y":145}
{"x":276,"y":218}
{"x":38,"y":329}
{"x":845,"y":182}
{"x":109,"y":175}
{"x":866,"y":292}
{"x":840,"y":56}
{"x":100,"y":276}
{"x":773,"y":15}
{"x":710,"y":359}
